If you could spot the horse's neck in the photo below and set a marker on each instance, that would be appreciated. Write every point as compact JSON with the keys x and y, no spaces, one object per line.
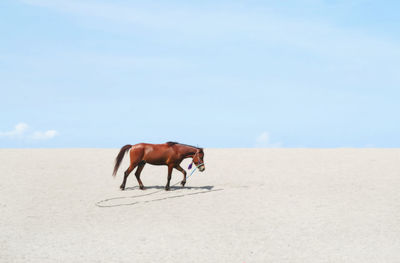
{"x":189,"y":152}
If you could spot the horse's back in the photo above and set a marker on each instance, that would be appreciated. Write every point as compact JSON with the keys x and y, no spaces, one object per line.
{"x":151,"y":147}
{"x":153,"y":153}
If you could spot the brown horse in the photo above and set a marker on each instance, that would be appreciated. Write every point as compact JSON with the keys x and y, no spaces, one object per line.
{"x":170,"y":154}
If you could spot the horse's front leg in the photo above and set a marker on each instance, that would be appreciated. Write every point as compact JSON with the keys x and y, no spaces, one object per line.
{"x":170,"y":167}
{"x":180,"y":169}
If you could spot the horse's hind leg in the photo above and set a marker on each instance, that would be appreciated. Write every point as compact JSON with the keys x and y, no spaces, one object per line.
{"x":126,"y":174}
{"x":137,"y":174}
{"x":135,"y":157}
{"x":179,"y":168}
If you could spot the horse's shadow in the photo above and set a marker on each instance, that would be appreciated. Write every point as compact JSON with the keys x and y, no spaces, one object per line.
{"x":172,"y":188}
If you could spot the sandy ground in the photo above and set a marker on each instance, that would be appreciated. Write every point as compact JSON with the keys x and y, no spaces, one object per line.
{"x":250,"y":205}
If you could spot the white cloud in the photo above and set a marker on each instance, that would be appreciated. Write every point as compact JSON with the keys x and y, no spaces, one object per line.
{"x":263,"y":141}
{"x":263,"y":138}
{"x":44,"y":135}
{"x":19,"y":130}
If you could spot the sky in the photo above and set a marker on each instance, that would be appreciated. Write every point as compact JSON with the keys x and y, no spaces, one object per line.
{"x":295,"y":73}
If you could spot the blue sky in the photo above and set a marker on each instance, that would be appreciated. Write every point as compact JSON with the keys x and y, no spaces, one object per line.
{"x":296,"y":73}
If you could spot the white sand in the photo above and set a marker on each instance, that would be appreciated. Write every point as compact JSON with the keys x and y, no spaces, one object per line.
{"x":250,"y":205}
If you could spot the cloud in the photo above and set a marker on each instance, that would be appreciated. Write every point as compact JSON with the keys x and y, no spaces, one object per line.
{"x":263,"y":141}
{"x":20,"y":132}
{"x":263,"y":138}
{"x":44,"y":135}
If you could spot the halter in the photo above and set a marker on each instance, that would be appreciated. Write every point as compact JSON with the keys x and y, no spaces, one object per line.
{"x":197,"y":165}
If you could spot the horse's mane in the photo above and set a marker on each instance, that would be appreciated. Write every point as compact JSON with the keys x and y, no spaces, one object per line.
{"x":173,"y":143}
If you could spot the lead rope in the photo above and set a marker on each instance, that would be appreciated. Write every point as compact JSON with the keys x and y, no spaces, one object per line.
{"x":136,"y":196}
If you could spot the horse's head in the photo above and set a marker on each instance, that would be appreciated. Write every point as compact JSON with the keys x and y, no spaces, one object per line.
{"x":198,"y":159}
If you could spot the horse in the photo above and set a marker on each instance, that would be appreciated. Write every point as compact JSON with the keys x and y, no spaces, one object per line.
{"x":169,"y":153}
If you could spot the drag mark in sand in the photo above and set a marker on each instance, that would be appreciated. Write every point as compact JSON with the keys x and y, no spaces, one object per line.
{"x":110,"y":200}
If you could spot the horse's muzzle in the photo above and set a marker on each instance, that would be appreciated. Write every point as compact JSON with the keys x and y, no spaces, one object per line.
{"x":202,"y":168}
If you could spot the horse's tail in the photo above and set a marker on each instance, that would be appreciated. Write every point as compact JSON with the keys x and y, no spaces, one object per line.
{"x":120,"y":156}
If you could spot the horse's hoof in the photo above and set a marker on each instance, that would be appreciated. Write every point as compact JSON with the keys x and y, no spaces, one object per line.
{"x":183,"y":183}
{"x":167,"y":188}
{"x":141,"y":187}
{"x":122,"y":188}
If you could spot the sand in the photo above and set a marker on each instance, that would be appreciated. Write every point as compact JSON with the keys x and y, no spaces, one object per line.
{"x":249,"y":205}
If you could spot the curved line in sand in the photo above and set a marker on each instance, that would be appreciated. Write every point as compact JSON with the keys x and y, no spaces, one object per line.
{"x":99,"y":204}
